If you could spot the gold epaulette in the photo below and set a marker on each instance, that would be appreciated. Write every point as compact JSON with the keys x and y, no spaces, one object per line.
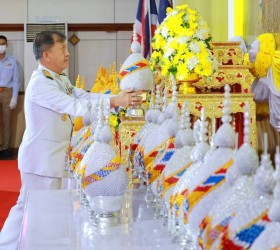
{"x":47,"y":74}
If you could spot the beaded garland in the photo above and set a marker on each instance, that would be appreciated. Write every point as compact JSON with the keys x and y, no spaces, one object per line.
{"x":172,"y":179}
{"x":103,"y":172}
{"x":75,"y":154}
{"x":212,"y":233}
{"x":138,"y":161}
{"x":156,"y":170}
{"x":131,"y":69}
{"x":245,"y":237}
{"x":210,"y":184}
{"x":156,"y":152}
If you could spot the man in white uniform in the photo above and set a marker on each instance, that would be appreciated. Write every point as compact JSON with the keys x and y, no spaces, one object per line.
{"x":50,"y":103}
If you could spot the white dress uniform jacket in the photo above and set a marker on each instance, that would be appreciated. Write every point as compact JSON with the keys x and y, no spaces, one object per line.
{"x":50,"y":103}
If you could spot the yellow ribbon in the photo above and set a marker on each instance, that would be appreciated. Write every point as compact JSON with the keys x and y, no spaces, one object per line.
{"x":276,"y":69}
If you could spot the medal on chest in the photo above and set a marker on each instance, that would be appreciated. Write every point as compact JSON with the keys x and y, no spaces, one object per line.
{"x":64,"y":117}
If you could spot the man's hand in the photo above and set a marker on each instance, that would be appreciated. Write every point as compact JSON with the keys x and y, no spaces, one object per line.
{"x":126,"y":98}
{"x":13,"y":103}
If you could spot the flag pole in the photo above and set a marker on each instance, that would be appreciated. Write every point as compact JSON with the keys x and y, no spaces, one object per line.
{"x":150,"y":25}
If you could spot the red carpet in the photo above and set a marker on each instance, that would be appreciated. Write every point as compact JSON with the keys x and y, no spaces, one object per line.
{"x":9,"y":187}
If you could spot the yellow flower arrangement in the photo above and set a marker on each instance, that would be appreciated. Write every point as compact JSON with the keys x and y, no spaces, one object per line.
{"x":115,"y":118}
{"x":181,"y":45}
{"x":265,"y":55}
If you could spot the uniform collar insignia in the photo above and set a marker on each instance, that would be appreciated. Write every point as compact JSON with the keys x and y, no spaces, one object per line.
{"x":47,"y":74}
{"x":62,"y":74}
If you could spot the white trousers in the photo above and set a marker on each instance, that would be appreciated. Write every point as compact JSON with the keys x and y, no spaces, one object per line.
{"x":9,"y":236}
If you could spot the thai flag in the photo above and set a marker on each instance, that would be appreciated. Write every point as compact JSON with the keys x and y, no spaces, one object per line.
{"x":146,"y":24}
{"x":163,"y":4}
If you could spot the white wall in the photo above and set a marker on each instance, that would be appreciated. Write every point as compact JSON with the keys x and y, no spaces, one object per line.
{"x":13,"y":11}
{"x":74,"y":11}
{"x":71,"y":11}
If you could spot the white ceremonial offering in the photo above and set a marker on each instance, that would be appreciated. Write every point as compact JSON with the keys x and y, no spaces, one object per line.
{"x":181,"y":159}
{"x":270,"y":237}
{"x":152,"y":115}
{"x":75,"y":145}
{"x":178,"y":163}
{"x":95,"y":137}
{"x":198,"y":153}
{"x":167,"y":128}
{"x":252,"y":218}
{"x":77,"y":138}
{"x":199,"y":200}
{"x":136,"y":153}
{"x":160,"y":146}
{"x":161,"y":139}
{"x":240,"y":189}
{"x":197,"y":156}
{"x":104,"y":179}
{"x":77,"y":153}
{"x":135,"y":74}
{"x":151,"y":121}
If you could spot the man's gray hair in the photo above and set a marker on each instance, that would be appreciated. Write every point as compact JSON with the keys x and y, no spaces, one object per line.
{"x":45,"y":40}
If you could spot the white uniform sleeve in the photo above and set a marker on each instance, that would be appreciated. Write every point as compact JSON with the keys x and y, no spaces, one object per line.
{"x":265,"y":89}
{"x":274,"y":101}
{"x":260,"y":89}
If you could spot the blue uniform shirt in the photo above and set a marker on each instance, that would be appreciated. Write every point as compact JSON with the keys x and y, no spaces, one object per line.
{"x":9,"y":74}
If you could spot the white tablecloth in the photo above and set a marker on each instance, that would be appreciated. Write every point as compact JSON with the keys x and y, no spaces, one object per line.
{"x":55,"y":220}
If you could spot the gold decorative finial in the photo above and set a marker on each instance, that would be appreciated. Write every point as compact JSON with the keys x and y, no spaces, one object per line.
{"x":78,"y":81}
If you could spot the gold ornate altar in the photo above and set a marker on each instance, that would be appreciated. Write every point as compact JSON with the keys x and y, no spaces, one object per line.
{"x":228,"y":74}
{"x":227,"y":53}
{"x":209,"y":94}
{"x":212,"y":104}
{"x":127,"y":130}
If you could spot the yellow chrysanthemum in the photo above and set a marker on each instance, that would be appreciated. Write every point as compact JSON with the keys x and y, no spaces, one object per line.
{"x":113,"y":120}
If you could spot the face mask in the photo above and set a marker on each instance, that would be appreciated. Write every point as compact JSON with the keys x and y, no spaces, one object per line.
{"x":3,"y":49}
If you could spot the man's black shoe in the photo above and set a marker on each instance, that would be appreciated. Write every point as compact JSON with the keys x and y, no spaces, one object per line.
{"x":6,"y":154}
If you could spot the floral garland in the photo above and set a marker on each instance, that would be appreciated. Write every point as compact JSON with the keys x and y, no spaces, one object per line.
{"x":181,"y":45}
{"x":265,"y":55}
{"x":115,"y":118}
